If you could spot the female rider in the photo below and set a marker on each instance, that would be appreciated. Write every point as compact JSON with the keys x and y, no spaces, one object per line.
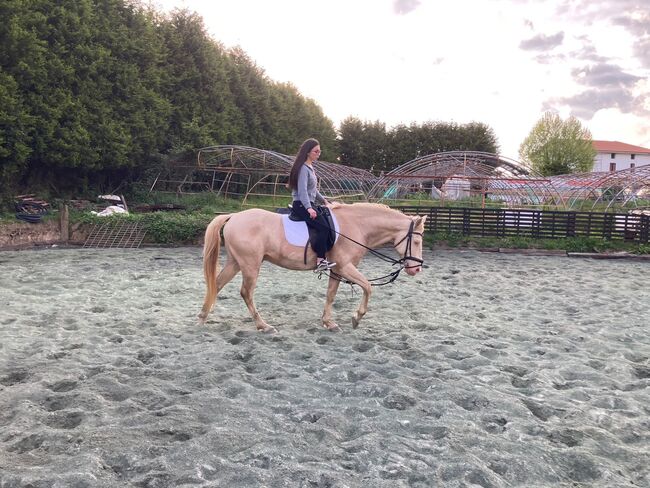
{"x":304,"y":191}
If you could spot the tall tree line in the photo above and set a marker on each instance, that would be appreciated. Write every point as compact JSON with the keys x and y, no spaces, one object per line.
{"x":372,"y":146}
{"x":95,"y":92}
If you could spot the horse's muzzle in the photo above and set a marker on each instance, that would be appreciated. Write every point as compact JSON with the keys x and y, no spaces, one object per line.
{"x":414,"y":270}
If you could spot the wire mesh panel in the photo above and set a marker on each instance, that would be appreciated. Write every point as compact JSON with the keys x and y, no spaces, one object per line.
{"x":116,"y":235}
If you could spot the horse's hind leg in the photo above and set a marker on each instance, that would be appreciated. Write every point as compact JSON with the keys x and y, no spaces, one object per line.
{"x":249,"y":279}
{"x":227,"y":273}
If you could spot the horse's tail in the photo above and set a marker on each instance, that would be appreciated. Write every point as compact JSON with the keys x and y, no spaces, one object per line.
{"x":211,"y":248}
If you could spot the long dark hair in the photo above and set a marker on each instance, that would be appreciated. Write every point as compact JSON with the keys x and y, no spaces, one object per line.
{"x":301,"y":157}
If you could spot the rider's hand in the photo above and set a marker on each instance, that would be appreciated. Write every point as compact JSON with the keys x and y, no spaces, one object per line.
{"x":312,"y":213}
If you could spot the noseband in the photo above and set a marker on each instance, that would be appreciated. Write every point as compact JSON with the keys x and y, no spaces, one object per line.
{"x":407,"y":252}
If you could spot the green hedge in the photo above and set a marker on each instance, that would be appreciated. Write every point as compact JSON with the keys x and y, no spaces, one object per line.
{"x":576,"y":244}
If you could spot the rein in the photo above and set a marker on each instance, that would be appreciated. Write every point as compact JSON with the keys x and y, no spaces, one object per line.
{"x":392,"y":276}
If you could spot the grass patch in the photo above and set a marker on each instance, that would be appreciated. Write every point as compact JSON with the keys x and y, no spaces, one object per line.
{"x":575,"y":244}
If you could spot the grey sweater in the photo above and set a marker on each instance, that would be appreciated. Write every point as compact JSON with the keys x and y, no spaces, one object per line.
{"x":307,"y":190}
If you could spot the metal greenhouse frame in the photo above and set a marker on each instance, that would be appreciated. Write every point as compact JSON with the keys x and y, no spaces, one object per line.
{"x":259,"y":177}
{"x":606,"y":191}
{"x":248,"y":174}
{"x":475,"y":178}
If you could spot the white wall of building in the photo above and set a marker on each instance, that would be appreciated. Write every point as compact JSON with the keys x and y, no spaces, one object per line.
{"x":603,"y":160}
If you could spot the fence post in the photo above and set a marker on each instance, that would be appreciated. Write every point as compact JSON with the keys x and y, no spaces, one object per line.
{"x":644,"y":229}
{"x":609,"y":222}
{"x":64,"y":223}
{"x":466,"y":220}
{"x":536,"y":223}
{"x":501,"y":222}
{"x":571,"y":224}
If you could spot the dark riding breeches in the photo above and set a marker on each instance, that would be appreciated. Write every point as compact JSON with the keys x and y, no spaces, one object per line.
{"x":319,"y":225}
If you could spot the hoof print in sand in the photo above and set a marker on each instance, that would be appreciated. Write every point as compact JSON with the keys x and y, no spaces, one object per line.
{"x":14,"y":378}
{"x":65,"y":420}
{"x":27,"y":444}
{"x":63,"y":386}
{"x":398,"y":402}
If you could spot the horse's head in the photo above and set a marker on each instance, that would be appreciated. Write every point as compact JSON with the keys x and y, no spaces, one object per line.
{"x":409,"y":245}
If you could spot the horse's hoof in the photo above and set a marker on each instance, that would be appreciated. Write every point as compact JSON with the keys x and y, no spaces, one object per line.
{"x":355,"y":322}
{"x":332,"y":327}
{"x":268,"y":330}
{"x":201,"y":319}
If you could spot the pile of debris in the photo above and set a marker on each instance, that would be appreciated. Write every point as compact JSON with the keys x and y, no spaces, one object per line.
{"x":117,"y":205}
{"x":30,"y":209}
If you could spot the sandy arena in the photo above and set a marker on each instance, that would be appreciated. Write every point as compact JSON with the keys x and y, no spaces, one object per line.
{"x":485,"y":370}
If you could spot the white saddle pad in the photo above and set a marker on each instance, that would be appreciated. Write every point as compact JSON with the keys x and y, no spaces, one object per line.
{"x":297,"y":234}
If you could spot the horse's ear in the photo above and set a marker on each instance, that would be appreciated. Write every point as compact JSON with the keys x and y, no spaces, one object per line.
{"x":419,"y":220}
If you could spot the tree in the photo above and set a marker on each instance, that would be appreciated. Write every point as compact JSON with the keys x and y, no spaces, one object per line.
{"x":363,"y":144}
{"x":555,"y":146}
{"x":350,"y":135}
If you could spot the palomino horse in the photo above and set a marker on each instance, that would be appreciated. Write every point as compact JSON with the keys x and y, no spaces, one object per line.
{"x":255,"y":235}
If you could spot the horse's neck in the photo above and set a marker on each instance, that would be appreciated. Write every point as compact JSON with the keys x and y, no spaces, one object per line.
{"x":378,"y":225}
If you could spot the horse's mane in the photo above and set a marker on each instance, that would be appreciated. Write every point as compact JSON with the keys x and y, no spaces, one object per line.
{"x":369,"y":205}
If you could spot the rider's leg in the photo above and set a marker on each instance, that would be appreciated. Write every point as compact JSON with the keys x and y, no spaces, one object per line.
{"x":322,"y":230}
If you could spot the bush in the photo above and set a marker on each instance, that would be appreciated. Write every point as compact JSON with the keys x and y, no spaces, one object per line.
{"x":161,"y":227}
{"x":575,"y":244}
{"x":171,"y":228}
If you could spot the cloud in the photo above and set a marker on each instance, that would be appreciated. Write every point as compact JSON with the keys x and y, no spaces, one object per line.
{"x":607,"y":86}
{"x":588,"y":53}
{"x":403,"y":7}
{"x":542,"y":42}
{"x":632,"y":15}
{"x":638,"y":24}
{"x":591,"y":10}
{"x":642,"y":51}
{"x":605,"y":75}
{"x":584,"y":105}
{"x":546,"y":58}
{"x":604,"y":84}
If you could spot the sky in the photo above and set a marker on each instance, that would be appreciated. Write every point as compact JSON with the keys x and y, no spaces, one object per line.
{"x":499,"y":62}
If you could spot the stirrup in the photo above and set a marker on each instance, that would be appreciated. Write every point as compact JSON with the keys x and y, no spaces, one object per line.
{"x":323,"y":266}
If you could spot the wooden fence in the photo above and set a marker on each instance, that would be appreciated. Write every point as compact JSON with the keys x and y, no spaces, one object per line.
{"x":539,"y":224}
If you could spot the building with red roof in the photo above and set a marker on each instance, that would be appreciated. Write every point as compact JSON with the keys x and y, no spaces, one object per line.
{"x":615,"y":156}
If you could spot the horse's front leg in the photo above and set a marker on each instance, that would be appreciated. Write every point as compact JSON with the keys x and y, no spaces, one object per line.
{"x":332,"y":287}
{"x":350,"y":272}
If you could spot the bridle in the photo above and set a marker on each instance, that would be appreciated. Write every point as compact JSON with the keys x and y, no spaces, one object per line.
{"x":407,"y":251}
{"x":392,"y":276}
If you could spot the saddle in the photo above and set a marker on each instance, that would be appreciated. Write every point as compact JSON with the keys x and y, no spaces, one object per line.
{"x":298,"y":233}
